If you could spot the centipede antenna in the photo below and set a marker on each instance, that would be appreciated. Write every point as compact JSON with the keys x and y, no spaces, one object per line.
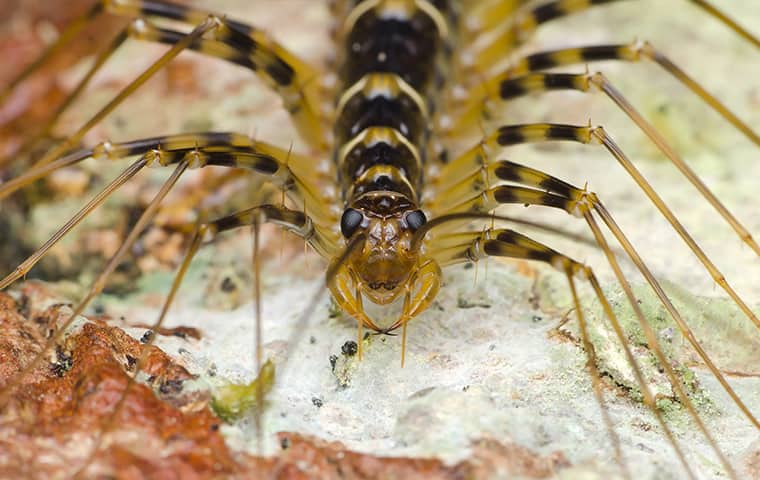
{"x":98,"y":285}
{"x":110,"y":421}
{"x":32,"y":260}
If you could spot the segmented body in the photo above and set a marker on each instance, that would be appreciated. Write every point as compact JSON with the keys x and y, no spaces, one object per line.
{"x":382,"y":162}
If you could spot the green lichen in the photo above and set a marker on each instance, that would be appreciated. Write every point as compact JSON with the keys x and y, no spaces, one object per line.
{"x":232,"y":401}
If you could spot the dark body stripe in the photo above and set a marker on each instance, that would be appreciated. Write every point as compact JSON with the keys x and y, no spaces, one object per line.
{"x":390,"y":62}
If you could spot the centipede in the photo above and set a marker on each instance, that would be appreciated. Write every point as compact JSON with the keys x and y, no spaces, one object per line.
{"x":396,"y":239}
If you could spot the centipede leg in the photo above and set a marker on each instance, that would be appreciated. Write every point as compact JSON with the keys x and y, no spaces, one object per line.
{"x":502,"y":39}
{"x":68,"y":34}
{"x":505,"y":242}
{"x":291,"y":220}
{"x":200,"y":150}
{"x":579,"y":202}
{"x":584,"y":83}
{"x":98,"y":285}
{"x":575,"y":201}
{"x":234,"y":42}
{"x":516,"y":80}
{"x":516,"y":134}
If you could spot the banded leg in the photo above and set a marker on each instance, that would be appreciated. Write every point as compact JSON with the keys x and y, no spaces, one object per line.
{"x":491,"y":197}
{"x":97,"y":286}
{"x":208,"y":25}
{"x":291,"y":220}
{"x":199,"y":150}
{"x":227,"y":45}
{"x":234,"y":41}
{"x":517,"y":30}
{"x":580,"y":203}
{"x":508,"y":243}
{"x":517,"y":81}
{"x":499,"y":43}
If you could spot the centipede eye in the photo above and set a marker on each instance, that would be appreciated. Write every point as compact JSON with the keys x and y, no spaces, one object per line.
{"x":350,"y":221}
{"x":415,"y":219}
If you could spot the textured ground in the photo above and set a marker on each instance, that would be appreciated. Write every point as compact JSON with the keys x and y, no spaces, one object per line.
{"x":486,"y":363}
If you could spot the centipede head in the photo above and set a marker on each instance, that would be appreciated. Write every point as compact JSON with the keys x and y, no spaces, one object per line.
{"x":385,"y":262}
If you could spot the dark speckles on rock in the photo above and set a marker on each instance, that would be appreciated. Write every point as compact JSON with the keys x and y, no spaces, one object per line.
{"x":63,"y":363}
{"x":318,"y":402}
{"x":284,"y":443}
{"x":147,"y":336}
{"x":333,"y":360}
{"x":131,"y":362}
{"x":349,"y":348}
{"x":228,"y":285}
{"x":170,"y":386}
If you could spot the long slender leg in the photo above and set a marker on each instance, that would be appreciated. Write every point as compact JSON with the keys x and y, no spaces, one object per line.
{"x":518,"y":29}
{"x":98,"y":285}
{"x":291,"y":220}
{"x":233,"y":41}
{"x":68,"y":34}
{"x":585,"y":135}
{"x":726,"y":20}
{"x":584,"y":83}
{"x":578,"y":203}
{"x":259,"y":60}
{"x":199,"y":150}
{"x":294,"y":84}
{"x":520,"y":26}
{"x":516,"y":81}
{"x":208,"y":25}
{"x":504,"y":242}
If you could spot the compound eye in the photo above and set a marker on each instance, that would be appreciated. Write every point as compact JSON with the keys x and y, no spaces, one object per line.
{"x":350,"y":221}
{"x":415,"y":219}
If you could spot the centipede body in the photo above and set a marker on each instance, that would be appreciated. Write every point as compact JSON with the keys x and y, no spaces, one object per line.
{"x":380,"y":374}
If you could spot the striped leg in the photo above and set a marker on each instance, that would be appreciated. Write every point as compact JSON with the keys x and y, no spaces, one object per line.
{"x":482,"y":175}
{"x":208,"y":25}
{"x":197,"y":150}
{"x":500,"y":41}
{"x":581,"y":203}
{"x":233,"y":41}
{"x":226,"y":46}
{"x":291,"y":220}
{"x":98,"y":285}
{"x":484,"y":100}
{"x":465,"y":247}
